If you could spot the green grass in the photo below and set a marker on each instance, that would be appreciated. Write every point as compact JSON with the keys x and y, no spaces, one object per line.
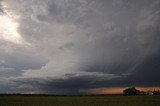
{"x":109,"y":100}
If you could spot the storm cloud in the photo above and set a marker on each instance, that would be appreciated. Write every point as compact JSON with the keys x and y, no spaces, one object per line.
{"x":63,"y":46}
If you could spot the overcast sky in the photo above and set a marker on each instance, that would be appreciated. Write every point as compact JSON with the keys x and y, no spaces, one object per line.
{"x":66,"y":46}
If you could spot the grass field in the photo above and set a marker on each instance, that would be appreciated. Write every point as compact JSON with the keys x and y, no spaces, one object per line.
{"x":108,"y":100}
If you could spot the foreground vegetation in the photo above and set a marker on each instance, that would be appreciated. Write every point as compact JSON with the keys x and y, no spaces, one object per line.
{"x":108,"y":100}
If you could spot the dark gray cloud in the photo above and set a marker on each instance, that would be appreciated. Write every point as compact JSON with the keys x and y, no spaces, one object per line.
{"x":69,"y":45}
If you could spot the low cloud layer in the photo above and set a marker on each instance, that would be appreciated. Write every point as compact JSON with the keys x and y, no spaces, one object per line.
{"x":68,"y":45}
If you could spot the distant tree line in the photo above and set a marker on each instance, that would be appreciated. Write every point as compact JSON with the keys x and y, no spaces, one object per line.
{"x":134,"y":91}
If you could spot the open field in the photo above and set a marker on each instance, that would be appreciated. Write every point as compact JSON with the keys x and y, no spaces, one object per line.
{"x":108,"y":100}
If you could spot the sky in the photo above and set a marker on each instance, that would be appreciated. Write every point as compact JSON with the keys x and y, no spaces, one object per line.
{"x":78,"y":46}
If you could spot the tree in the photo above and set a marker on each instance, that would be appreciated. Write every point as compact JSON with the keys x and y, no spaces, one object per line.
{"x":130,"y":91}
{"x":156,"y":92}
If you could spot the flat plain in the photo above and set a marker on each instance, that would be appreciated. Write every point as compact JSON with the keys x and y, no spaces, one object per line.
{"x":103,"y":100}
